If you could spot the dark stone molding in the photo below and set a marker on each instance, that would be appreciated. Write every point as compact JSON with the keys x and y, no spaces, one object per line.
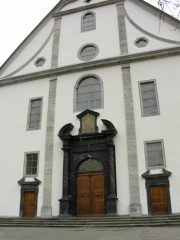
{"x":125,"y":59}
{"x":28,"y":186}
{"x":65,"y":131}
{"x":79,"y":116}
{"x":110,"y":129}
{"x":164,"y":174}
{"x":34,"y":183}
{"x":157,"y":180}
{"x":78,"y":148}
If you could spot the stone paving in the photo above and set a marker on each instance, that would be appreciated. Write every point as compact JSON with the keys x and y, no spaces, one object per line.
{"x":139,"y":233}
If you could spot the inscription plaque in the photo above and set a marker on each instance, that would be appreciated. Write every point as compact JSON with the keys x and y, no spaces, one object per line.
{"x":88,"y":123}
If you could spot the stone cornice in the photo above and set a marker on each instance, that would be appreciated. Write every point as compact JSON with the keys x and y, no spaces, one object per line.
{"x":86,"y":7}
{"x":124,"y":59}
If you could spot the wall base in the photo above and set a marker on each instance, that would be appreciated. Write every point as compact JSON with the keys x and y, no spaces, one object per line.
{"x":135,"y":210}
{"x":46,"y":212}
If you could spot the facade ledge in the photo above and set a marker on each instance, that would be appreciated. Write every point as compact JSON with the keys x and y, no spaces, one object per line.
{"x":120,"y":60}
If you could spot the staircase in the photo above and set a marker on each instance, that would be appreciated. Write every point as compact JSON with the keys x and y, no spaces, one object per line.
{"x":93,"y":222}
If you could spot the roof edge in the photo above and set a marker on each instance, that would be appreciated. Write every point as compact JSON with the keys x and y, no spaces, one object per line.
{"x":48,"y":15}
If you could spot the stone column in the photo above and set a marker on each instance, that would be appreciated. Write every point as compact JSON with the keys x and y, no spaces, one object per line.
{"x":135,"y":206}
{"x":65,"y":201}
{"x":46,"y":210}
{"x":112,"y":198}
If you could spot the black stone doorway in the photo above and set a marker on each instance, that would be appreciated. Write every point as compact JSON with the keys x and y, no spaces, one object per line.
{"x":79,"y":148}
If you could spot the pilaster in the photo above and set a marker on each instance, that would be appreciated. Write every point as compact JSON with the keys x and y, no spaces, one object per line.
{"x":135,"y":206}
{"x":46,"y":210}
{"x":122,"y":28}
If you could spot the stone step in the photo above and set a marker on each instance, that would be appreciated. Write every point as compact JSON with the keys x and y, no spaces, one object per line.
{"x":104,"y":222}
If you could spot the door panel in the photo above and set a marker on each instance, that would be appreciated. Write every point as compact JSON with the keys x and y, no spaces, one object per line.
{"x":83,"y":198}
{"x":90,"y":193}
{"x":158,"y":200}
{"x":29,"y":204}
{"x":97,"y":194}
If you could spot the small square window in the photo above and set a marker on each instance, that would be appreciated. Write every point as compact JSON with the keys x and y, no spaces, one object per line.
{"x":31,"y":164}
{"x":155,"y":157}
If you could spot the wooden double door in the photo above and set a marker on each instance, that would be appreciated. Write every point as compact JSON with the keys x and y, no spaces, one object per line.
{"x":29,"y":204}
{"x":90,"y":193}
{"x":158,"y":200}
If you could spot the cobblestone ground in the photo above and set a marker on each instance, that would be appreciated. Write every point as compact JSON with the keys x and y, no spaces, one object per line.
{"x":144,"y":233}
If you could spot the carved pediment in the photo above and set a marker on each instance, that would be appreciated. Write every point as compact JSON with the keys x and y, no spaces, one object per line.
{"x":88,"y":121}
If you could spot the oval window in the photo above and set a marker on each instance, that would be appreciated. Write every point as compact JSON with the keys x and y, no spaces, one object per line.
{"x":88,"y":52}
{"x":141,"y":42}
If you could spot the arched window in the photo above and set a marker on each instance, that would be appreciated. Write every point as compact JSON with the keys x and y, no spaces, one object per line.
{"x":90,"y":165}
{"x":88,"y":21}
{"x":88,"y":93}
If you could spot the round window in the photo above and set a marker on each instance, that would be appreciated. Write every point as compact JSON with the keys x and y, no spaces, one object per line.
{"x":88,"y":52}
{"x":141,"y":42}
{"x":40,"y":62}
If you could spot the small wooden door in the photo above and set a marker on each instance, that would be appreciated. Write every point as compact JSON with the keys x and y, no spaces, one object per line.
{"x":29,"y":204}
{"x":158,"y":200}
{"x":90,"y":194}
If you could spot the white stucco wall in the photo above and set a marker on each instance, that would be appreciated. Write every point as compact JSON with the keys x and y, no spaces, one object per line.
{"x":113,"y":111}
{"x":72,"y":39}
{"x":150,"y":20}
{"x":164,"y":126}
{"x":14,"y":102}
{"x":153,"y":44}
{"x":22,"y":62}
{"x":15,"y":141}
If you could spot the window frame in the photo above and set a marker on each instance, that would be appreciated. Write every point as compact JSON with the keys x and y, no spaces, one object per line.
{"x":29,"y":114}
{"x":82,"y":21}
{"x":25,"y":164}
{"x":88,"y":45}
{"x":144,"y":44}
{"x":156,"y":96}
{"x":163,"y":154}
{"x":75,"y":105}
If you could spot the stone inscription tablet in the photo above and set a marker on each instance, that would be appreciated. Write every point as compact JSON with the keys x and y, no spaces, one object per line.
{"x":88,"y":123}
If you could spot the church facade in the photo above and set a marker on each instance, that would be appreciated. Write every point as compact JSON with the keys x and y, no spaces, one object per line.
{"x":89,"y":113}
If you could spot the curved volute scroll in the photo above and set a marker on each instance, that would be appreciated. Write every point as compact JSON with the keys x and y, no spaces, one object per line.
{"x":111,"y":130}
{"x":65,"y":131}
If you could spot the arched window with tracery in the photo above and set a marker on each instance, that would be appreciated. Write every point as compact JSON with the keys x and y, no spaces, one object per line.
{"x":88,"y":93}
